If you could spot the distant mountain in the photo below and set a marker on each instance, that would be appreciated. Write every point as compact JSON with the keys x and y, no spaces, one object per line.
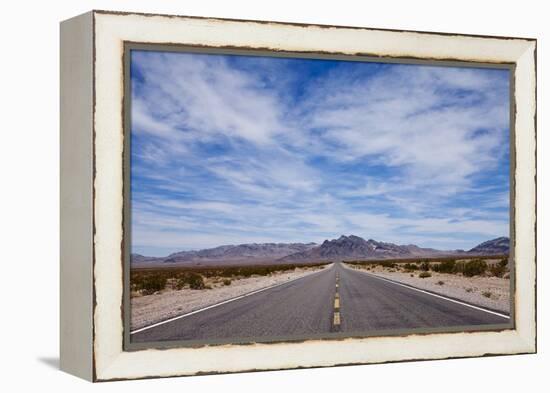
{"x":355,"y":247}
{"x":137,"y":258}
{"x":254,"y":252}
{"x":241,"y":252}
{"x":500,"y":245}
{"x":344,"y":248}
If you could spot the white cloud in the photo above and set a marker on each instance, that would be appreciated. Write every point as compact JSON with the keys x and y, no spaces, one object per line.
{"x":405,"y":119}
{"x":206,"y":97}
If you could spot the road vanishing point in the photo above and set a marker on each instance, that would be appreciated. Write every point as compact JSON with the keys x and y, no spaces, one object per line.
{"x":335,"y":299}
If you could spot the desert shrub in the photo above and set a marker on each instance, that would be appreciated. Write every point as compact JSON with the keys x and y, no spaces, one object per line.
{"x":497,"y":271}
{"x":191,"y":279}
{"x":411,"y":266}
{"x":412,"y":275}
{"x":425,"y":266}
{"x":486,"y":294}
{"x":446,"y":267}
{"x":459,"y":267}
{"x":500,"y":268}
{"x":180,"y":283}
{"x":227,"y":281}
{"x":152,"y":283}
{"x":195,"y":281}
{"x":474,"y":268}
{"x":387,"y":264}
{"x":469,"y":290}
{"x":424,"y":275}
{"x":440,"y":283}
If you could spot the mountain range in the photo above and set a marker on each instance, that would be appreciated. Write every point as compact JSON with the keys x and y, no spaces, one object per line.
{"x":345,"y":247}
{"x":500,"y":245}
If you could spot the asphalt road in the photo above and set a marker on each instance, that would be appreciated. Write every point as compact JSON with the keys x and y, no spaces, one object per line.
{"x":307,"y":307}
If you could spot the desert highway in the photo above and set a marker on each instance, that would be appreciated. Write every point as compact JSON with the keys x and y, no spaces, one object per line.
{"x":336,"y":299}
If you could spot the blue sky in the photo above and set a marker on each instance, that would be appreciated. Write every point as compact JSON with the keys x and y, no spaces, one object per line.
{"x":240,"y":149}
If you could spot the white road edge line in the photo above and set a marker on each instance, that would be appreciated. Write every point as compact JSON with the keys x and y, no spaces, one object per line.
{"x":221,"y":303}
{"x":439,"y":296}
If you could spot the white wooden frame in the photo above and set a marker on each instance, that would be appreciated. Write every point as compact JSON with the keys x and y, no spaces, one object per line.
{"x":92,"y":143}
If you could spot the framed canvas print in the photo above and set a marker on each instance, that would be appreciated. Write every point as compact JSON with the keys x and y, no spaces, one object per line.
{"x":246,"y":195}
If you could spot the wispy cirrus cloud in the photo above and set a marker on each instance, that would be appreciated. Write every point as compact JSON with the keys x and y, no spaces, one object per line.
{"x":233,"y":149}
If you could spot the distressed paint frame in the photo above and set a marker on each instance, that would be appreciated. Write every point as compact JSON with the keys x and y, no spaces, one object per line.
{"x":111,"y":30}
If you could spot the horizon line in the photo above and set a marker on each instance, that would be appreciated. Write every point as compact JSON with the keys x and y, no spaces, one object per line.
{"x":316,"y":243}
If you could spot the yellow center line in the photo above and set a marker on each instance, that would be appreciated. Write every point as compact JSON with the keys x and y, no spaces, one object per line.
{"x":336,"y":320}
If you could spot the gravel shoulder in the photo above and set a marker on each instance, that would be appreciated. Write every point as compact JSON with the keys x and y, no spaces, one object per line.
{"x":149,"y":309}
{"x":490,"y":292}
